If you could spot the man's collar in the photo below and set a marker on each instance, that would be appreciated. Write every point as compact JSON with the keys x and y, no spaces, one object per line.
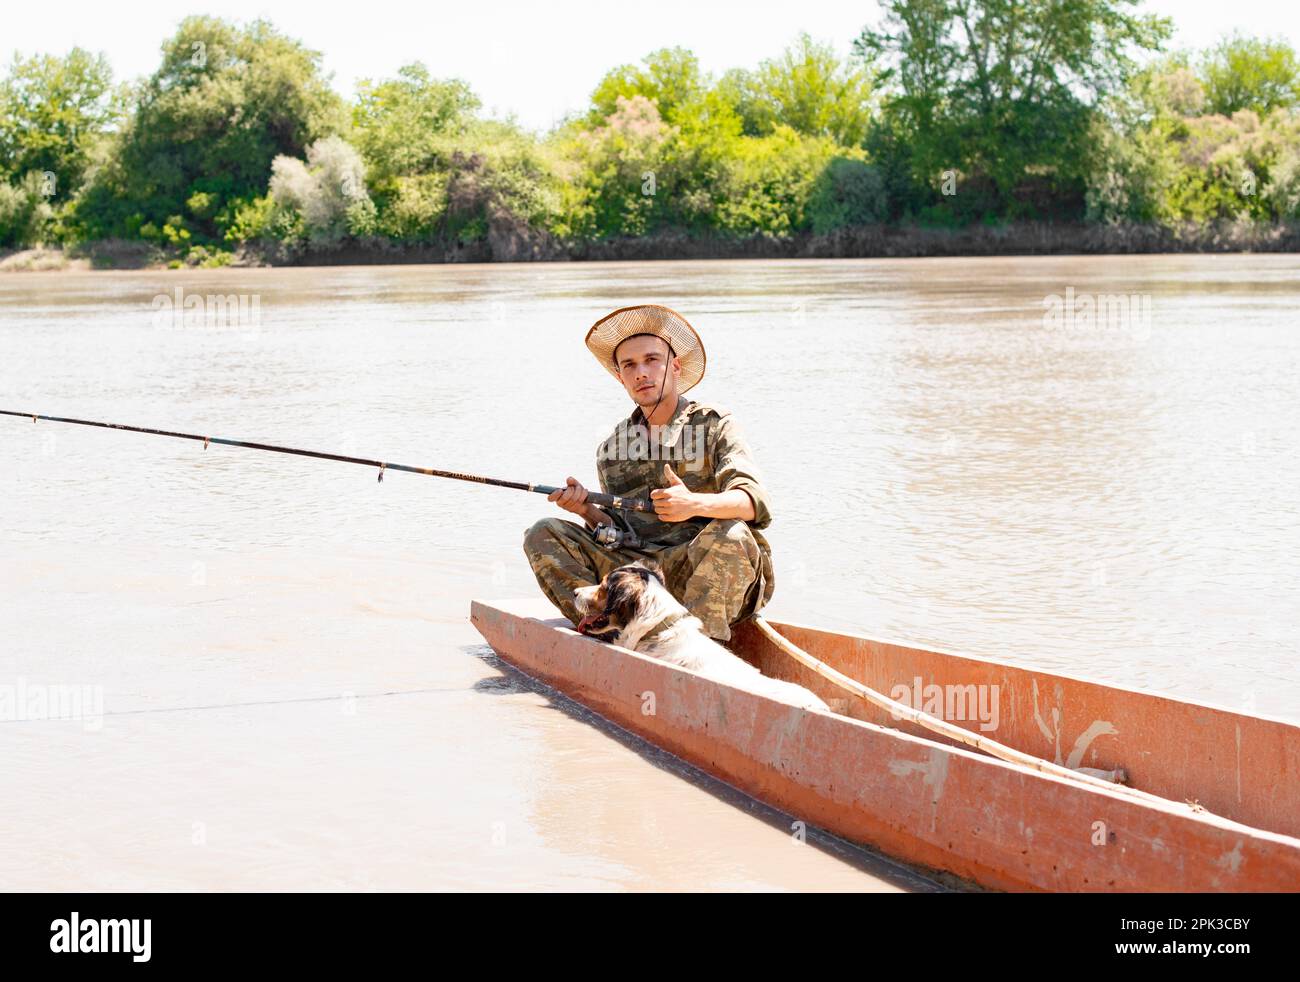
{"x":668,"y":435}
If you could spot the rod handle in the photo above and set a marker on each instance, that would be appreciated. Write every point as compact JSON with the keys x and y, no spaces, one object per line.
{"x":602,"y":500}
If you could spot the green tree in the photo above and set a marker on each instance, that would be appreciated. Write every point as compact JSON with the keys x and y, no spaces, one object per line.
{"x":226,"y":101}
{"x":1004,"y":90}
{"x":622,"y":169}
{"x":1163,"y":160}
{"x":1250,"y":73}
{"x":403,"y":124}
{"x":768,"y":180}
{"x":670,"y":79}
{"x":810,"y":90}
{"x":53,"y":112}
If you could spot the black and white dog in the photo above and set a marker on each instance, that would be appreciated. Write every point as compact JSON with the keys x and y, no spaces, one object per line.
{"x":633,"y":608}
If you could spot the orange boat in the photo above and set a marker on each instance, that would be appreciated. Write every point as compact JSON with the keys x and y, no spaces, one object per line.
{"x":1226,"y":819}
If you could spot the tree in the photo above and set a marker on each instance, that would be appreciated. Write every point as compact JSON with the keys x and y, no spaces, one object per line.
{"x":622,"y":167}
{"x":1161,"y":159}
{"x":226,"y":101}
{"x":671,"y":79}
{"x":1250,"y":73}
{"x":1004,"y":89}
{"x":402,"y":124}
{"x":53,"y":112}
{"x":810,"y":90}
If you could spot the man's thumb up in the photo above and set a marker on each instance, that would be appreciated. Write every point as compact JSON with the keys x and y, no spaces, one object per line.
{"x":670,"y":476}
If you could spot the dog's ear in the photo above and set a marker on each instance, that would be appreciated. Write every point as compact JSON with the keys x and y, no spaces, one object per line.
{"x":653,"y":568}
{"x":622,"y":597}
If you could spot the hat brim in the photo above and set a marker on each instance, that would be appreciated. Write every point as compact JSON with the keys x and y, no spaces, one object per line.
{"x":649,"y":318}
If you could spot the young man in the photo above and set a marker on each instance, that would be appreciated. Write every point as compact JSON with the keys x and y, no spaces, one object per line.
{"x":691,"y":461}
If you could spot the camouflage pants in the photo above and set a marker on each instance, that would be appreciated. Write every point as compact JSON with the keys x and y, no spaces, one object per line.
{"x":722,"y":576}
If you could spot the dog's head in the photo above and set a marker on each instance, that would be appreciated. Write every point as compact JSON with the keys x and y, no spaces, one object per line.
{"x":615,"y":602}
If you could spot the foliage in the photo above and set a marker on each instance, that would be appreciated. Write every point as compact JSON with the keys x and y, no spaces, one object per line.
{"x":671,"y":79}
{"x":1003,"y":89}
{"x":402,"y":124}
{"x":945,"y":112}
{"x":1163,"y":160}
{"x":807,"y":89}
{"x":328,"y":192}
{"x":54,"y":111}
{"x":847,"y":192}
{"x":619,"y":165}
{"x":24,"y":211}
{"x":768,"y":183}
{"x":225,"y":102}
{"x":1250,"y":73}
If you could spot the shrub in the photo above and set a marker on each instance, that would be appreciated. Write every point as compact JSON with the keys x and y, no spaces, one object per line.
{"x":767,"y":183}
{"x":25,"y":214}
{"x":328,"y":191}
{"x":847,"y":192}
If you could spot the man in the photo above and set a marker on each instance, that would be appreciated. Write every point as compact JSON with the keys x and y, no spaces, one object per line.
{"x":689,"y":458}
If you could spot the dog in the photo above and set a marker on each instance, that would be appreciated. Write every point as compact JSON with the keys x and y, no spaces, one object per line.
{"x":632,"y":607}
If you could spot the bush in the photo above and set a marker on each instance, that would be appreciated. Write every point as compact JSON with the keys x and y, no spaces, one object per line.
{"x":25,"y":214}
{"x":768,"y":182}
{"x":410,"y":208}
{"x":847,"y":192}
{"x":620,"y":170}
{"x":1282,"y":192}
{"x":328,"y":191}
{"x":246,"y":219}
{"x":1174,"y":168}
{"x":202,"y":204}
{"x":207,"y":258}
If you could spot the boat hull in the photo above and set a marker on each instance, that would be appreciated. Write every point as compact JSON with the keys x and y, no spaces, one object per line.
{"x":916,"y":799}
{"x":1240,"y":766}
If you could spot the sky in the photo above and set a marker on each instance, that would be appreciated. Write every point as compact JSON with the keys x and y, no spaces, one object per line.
{"x":538,"y":60}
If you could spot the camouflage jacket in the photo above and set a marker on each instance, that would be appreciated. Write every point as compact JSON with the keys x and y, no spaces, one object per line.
{"x":705,"y":448}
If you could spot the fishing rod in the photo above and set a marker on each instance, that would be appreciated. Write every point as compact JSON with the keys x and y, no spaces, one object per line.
{"x":597,"y":498}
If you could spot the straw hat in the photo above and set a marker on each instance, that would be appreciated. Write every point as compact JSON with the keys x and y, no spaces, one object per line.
{"x":648,"y":318}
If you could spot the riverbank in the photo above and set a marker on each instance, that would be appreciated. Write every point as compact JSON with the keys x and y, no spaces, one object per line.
{"x":862,"y":242}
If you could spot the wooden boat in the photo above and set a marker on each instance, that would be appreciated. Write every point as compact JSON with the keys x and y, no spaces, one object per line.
{"x":1227,"y":818}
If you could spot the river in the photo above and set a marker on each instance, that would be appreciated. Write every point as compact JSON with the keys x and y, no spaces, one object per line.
{"x":292,"y":696}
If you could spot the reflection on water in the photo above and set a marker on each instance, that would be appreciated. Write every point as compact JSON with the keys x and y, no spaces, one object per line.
{"x":946,"y":467}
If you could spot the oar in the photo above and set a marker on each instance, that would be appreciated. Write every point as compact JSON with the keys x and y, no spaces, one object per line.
{"x":951,"y":730}
{"x":593,"y":497}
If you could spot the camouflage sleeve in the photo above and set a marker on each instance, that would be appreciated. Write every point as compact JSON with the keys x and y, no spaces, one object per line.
{"x":735,"y":468}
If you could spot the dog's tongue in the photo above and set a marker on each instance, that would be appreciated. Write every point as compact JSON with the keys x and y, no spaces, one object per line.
{"x":589,"y":620}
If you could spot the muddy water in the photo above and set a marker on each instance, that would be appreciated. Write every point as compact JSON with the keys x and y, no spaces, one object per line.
{"x":281,"y":687}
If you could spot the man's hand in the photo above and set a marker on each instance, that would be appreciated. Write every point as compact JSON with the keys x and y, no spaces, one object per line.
{"x":677,"y":502}
{"x":572,"y":497}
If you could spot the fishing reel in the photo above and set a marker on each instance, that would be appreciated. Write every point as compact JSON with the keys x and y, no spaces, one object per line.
{"x":613,"y":537}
